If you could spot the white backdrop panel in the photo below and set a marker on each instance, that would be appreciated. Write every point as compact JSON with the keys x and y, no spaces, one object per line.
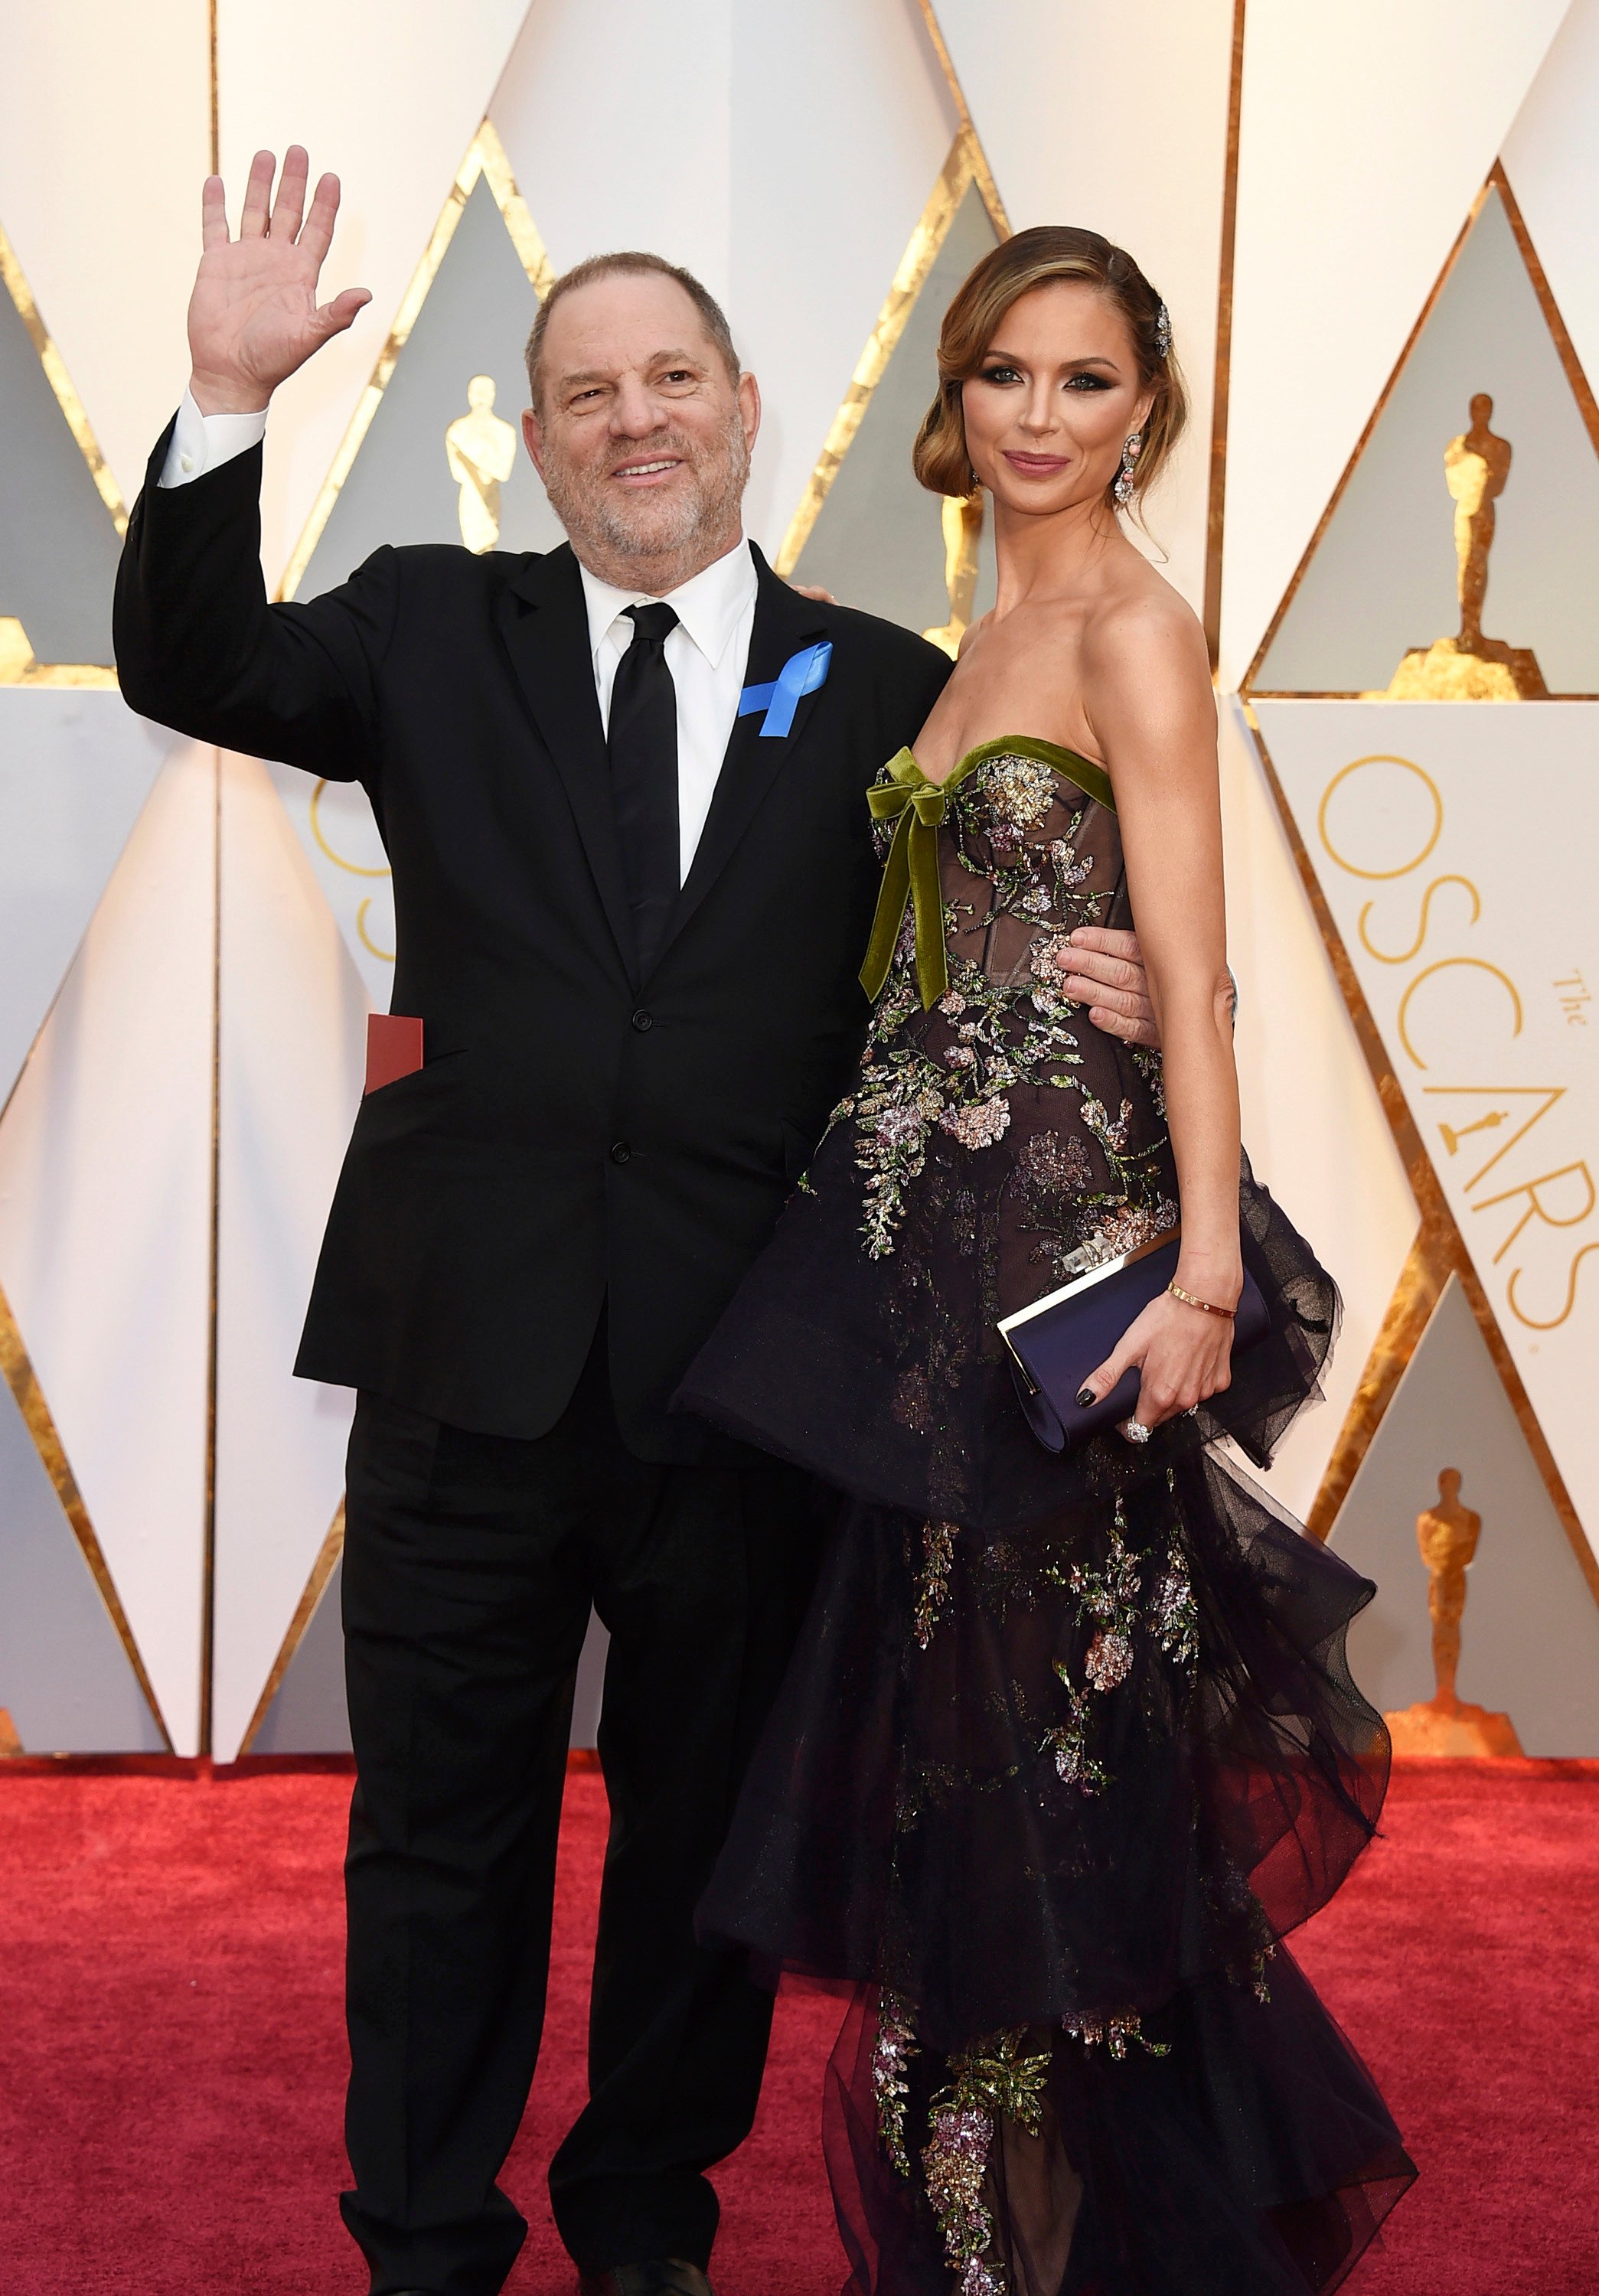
{"x":1442,"y":834}
{"x":784,"y":154}
{"x":1552,"y":158}
{"x":1313,"y":1124}
{"x":104,"y":143}
{"x":1365,"y":134}
{"x":105,"y":1222}
{"x":841,"y":118}
{"x":294,"y":1046}
{"x":75,"y":767}
{"x":389,"y":99}
{"x":1062,"y":98}
{"x":338,"y":838}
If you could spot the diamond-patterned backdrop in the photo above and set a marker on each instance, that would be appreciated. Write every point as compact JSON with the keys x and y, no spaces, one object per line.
{"x":193,"y":941}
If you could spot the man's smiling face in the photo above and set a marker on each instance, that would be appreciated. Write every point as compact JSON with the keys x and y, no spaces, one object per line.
{"x":640,"y":433}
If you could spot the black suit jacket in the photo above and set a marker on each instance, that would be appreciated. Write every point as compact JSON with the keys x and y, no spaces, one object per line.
{"x":578,"y":1135}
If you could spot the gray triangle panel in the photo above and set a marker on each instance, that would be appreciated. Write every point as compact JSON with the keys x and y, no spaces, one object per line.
{"x":1530,"y":1634}
{"x":309,"y":1715}
{"x":877,"y":542}
{"x":474,"y":321}
{"x":65,"y":1678}
{"x":1383,"y":579}
{"x":58,"y":542}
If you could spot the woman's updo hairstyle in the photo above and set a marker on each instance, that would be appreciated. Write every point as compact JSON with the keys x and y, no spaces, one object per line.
{"x":1033,"y":258}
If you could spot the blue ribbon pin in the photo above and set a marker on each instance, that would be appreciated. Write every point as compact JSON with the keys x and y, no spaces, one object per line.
{"x":802,"y":673}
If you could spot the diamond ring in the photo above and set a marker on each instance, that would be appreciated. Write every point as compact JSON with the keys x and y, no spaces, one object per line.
{"x":1135,"y":1432}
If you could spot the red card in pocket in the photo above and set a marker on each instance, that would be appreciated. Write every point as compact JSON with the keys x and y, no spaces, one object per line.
{"x":393,"y":1048}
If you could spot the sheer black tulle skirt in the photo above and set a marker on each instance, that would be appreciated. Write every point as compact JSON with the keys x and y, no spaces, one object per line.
{"x":1067,"y":1749}
{"x":1051,"y":1801}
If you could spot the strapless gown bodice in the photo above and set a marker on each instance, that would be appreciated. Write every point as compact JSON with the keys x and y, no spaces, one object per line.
{"x":993,"y":1144}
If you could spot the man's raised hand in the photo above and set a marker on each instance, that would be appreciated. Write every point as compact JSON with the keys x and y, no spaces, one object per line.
{"x":254,"y":317}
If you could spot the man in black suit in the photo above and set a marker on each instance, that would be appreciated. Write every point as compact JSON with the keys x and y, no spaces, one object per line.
{"x":623,"y":788}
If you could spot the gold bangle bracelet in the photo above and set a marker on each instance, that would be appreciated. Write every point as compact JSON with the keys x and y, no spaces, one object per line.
{"x":1189,"y":1301}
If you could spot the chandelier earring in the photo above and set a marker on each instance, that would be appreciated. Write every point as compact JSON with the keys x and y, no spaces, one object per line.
{"x":1132,"y":447}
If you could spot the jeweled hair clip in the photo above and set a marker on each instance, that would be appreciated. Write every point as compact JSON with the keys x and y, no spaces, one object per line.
{"x":1163,"y":331}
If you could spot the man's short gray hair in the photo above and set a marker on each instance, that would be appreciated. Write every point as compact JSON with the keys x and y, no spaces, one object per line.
{"x":637,"y":262}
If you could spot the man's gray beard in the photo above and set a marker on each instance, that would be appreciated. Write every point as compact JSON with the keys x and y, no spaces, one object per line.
{"x":640,"y":529}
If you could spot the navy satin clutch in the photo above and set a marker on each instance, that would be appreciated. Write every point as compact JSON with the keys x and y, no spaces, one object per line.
{"x":1056,"y":1342}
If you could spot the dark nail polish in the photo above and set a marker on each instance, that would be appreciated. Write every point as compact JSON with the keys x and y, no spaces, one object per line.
{"x":1085,"y":1397}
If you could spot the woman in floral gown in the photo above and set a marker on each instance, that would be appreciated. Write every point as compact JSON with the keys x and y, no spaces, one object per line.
{"x":1069,"y":1745}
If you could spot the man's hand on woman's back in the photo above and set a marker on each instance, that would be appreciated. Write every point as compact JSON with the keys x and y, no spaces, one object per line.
{"x":1104,"y":970}
{"x":254,"y":317}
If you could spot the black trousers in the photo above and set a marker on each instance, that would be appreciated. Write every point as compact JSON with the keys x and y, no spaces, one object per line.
{"x":470,"y":1564}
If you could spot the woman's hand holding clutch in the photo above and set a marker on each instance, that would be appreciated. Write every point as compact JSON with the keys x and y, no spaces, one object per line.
{"x":1182,"y":1344}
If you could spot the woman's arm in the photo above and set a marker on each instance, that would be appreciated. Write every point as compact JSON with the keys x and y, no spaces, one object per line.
{"x":1149,"y":699}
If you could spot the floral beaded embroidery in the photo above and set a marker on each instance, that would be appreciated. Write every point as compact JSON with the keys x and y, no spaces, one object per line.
{"x":1115,"y":2033}
{"x":1110,"y":1596}
{"x":938,"y":1554}
{"x":1020,"y":791}
{"x":992,"y":2079}
{"x":893,"y":2046}
{"x":1068,"y":1741}
{"x":951,"y":1071}
{"x":905,"y":1090}
{"x":1175,"y":1615}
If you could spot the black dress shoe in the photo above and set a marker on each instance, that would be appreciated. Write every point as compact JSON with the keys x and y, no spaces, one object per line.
{"x":663,"y":2275}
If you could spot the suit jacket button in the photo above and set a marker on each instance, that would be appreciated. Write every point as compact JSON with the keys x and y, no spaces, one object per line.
{"x":620,"y":1151}
{"x":643,"y":1021}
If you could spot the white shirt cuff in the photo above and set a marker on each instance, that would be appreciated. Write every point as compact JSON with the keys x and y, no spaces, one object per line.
{"x":204,"y":442}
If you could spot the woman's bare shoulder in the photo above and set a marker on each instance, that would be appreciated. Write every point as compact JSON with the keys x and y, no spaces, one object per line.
{"x":972,"y":632}
{"x":1140,"y":622}
{"x":1146,"y":668}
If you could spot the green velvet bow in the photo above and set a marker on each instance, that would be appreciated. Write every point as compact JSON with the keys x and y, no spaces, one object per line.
{"x":910,"y":875}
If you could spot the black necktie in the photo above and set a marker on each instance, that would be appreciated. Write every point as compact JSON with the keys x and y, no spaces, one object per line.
{"x":643,"y":777}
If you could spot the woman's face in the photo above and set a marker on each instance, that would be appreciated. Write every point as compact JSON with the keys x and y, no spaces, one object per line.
{"x":1057,"y":395}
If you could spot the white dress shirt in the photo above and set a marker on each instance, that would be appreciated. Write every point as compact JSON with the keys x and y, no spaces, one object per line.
{"x":707,"y":653}
{"x":204,"y":442}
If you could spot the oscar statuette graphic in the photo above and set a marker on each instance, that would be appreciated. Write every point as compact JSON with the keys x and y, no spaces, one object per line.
{"x":1469,"y":666}
{"x":481,"y":449}
{"x":962,"y":523}
{"x":1447,"y":1534}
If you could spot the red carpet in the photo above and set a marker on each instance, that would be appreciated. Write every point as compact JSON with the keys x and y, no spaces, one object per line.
{"x":171,"y":2050}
